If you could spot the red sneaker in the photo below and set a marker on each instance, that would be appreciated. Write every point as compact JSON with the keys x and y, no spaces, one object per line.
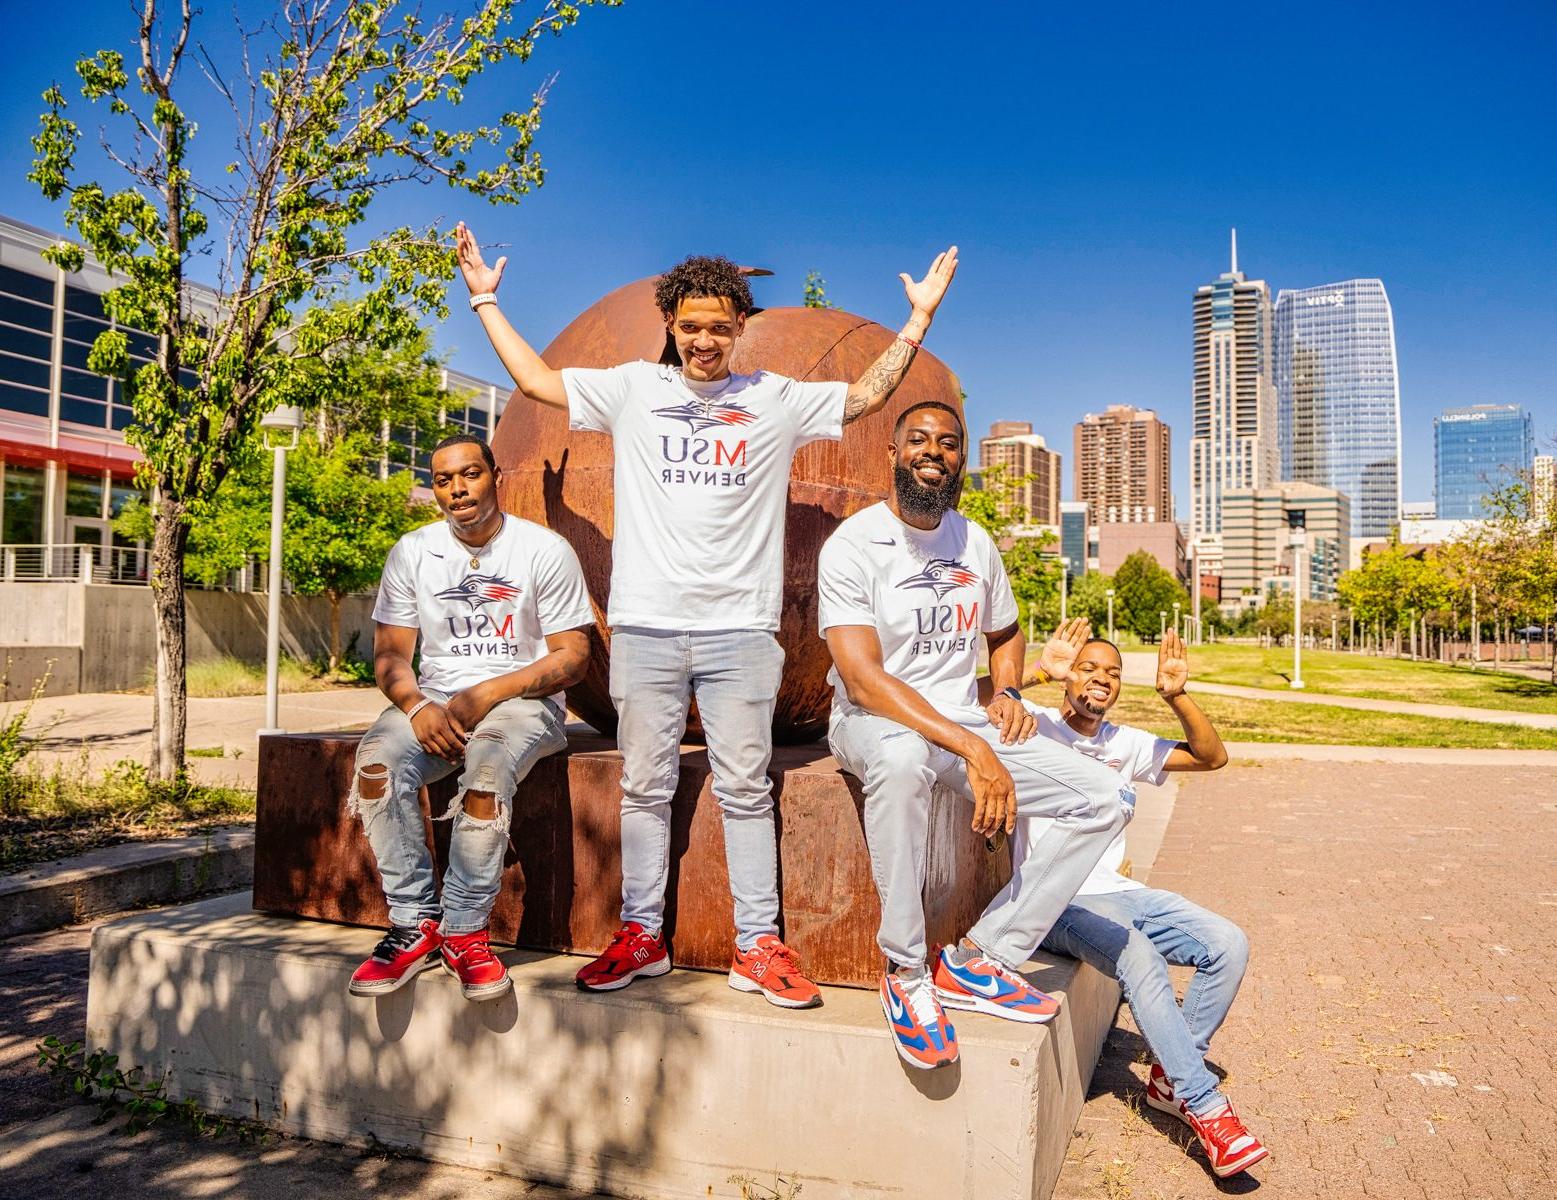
{"x":469,"y":958}
{"x":632,"y":953}
{"x":1159,"y":1095}
{"x":1230,"y":1147}
{"x":770,"y":967}
{"x":402,"y":954}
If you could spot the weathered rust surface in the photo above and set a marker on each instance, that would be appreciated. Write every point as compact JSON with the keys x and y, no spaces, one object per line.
{"x":562,"y":479}
{"x":562,"y":883}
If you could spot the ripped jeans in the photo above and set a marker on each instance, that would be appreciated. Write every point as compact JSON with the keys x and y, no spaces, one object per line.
{"x":390,"y":771}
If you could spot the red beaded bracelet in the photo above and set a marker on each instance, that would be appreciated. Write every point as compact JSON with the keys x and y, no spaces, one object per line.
{"x":905,"y":338}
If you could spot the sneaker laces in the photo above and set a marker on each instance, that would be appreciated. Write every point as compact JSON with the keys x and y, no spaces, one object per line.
{"x":920,"y":992}
{"x":396,"y":942}
{"x":778,"y":952}
{"x":471,"y":949}
{"x":1226,"y":1127}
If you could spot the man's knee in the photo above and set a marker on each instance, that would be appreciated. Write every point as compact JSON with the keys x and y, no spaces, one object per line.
{"x":1229,"y":947}
{"x":899,"y":766}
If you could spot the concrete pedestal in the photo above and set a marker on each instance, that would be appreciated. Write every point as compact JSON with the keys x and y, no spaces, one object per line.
{"x":663,"y":1090}
{"x":562,"y":884}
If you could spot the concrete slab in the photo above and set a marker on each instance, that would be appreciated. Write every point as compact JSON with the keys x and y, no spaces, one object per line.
{"x":132,"y":875}
{"x":663,"y":1090}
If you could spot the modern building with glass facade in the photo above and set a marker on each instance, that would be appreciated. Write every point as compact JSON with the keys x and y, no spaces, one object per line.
{"x":1074,"y":543}
{"x":1477,"y":450}
{"x":65,"y":468}
{"x":1338,"y":397}
{"x":1233,"y":440}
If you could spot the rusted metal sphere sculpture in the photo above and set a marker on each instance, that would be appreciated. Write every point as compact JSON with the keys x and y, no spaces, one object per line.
{"x":562,"y":479}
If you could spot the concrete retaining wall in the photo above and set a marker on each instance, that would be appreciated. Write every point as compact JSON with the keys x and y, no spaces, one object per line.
{"x":103,"y":639}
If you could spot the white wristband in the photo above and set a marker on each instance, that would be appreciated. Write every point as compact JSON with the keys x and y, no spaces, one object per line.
{"x":418,"y":706}
{"x":481,"y":298}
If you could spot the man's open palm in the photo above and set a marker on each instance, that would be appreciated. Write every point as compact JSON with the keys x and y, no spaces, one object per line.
{"x":1060,"y":651}
{"x":1172,"y":665}
{"x":925,"y":295}
{"x":479,"y":277}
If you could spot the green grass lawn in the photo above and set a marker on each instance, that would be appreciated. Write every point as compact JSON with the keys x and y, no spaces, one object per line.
{"x":1377,"y":678}
{"x":1240,"y":720}
{"x":230,"y":676}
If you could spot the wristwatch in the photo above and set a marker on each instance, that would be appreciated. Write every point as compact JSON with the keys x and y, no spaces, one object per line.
{"x":1012,"y":692}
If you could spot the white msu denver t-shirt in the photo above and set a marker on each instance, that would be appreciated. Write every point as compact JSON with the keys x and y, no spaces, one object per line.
{"x":477,"y":624}
{"x":1137,"y":755}
{"x":929,"y":594}
{"x":702,"y":483}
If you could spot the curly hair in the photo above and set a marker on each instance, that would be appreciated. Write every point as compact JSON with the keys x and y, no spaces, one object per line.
{"x":702,"y":275}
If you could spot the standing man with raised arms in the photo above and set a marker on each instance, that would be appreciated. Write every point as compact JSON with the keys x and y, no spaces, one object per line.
{"x":697,"y":579}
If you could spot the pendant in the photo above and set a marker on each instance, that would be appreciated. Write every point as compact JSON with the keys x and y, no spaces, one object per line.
{"x":475,"y":563}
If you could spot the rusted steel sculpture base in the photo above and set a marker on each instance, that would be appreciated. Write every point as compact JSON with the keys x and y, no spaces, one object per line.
{"x":562,"y":884}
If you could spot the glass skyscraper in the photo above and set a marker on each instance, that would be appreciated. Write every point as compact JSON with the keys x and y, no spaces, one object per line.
{"x":1475,"y":451}
{"x":1338,"y":397}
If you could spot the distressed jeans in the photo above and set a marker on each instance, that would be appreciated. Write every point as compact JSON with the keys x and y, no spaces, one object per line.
{"x":734,"y":674}
{"x":508,"y":741}
{"x":1133,"y":935}
{"x":1069,"y":807}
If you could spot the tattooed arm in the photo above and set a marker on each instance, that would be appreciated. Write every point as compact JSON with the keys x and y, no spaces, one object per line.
{"x":871,"y":390}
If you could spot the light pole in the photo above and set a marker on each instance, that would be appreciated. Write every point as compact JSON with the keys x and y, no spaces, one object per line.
{"x":1298,"y":541}
{"x":1475,"y":632}
{"x":1110,"y":594}
{"x":283,"y":423}
{"x":1162,"y":627}
{"x":1064,"y":587}
{"x":1177,"y":627}
{"x":1194,"y":597}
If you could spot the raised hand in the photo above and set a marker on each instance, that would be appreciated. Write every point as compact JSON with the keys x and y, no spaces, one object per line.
{"x":1172,"y":666}
{"x":1060,"y":651}
{"x":479,"y":277}
{"x":925,"y":295}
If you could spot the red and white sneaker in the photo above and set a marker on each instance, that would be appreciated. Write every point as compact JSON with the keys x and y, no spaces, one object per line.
{"x":401,"y":955}
{"x":1230,"y":1147}
{"x":1159,"y":1095}
{"x":921,"y":1034}
{"x":770,"y":967}
{"x":632,"y":953}
{"x":984,"y":985}
{"x":469,"y":958}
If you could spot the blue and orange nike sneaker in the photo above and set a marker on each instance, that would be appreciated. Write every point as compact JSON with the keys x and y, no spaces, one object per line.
{"x":984,"y":985}
{"x":923,"y":1036}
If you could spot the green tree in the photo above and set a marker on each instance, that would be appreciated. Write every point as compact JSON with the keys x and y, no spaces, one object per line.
{"x":815,"y":293}
{"x":1518,"y":552}
{"x":1142,"y":591}
{"x":1089,"y":599}
{"x":350,"y":101}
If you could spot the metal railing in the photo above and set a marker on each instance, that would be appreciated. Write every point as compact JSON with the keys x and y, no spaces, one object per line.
{"x":73,"y":564}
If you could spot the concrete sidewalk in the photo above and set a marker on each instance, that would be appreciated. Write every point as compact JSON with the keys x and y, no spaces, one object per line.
{"x":107,"y":726}
{"x":1140,"y":667}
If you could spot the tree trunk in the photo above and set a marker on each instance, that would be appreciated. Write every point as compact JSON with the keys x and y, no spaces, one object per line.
{"x":335,"y":630}
{"x":170,"y":715}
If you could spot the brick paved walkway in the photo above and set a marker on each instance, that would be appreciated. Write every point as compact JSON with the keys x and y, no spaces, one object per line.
{"x":1395,"y":1035}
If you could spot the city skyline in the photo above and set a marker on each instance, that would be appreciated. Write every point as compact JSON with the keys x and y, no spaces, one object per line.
{"x":1082,"y":218}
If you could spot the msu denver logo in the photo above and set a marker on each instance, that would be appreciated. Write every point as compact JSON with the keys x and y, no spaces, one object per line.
{"x":708,"y":416}
{"x":479,"y":590}
{"x":941,"y":575}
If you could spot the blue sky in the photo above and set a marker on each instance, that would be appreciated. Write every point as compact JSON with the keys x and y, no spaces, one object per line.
{"x":1088,"y":164}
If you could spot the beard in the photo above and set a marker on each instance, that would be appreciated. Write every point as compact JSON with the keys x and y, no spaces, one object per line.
{"x":1093,"y":708}
{"x":914,"y":499}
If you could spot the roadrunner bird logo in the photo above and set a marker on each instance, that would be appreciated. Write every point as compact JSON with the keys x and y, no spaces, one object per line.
{"x":941,"y":575}
{"x":708,"y":416}
{"x":479,"y":590}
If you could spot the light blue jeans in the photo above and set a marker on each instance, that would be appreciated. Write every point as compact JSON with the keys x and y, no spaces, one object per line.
{"x":1069,"y":807}
{"x":502,"y":748}
{"x":1133,"y":935}
{"x":735,"y":676}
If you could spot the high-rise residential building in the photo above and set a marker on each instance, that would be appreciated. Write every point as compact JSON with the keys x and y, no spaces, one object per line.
{"x":1025,"y":456}
{"x":1257,"y":529}
{"x":1233,"y":442}
{"x":1122,"y":468}
{"x":1338,"y":397}
{"x":1543,"y":485}
{"x":1476,"y":450}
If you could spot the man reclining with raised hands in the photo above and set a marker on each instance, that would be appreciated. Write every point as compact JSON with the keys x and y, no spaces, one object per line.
{"x":1133,"y":932}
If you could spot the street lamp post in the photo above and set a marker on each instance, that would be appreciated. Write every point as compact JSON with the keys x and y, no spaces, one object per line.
{"x":1162,"y":626}
{"x":1064,"y":587}
{"x":1110,"y":594}
{"x":283,"y":423}
{"x":1178,"y":628}
{"x":1194,"y":596}
{"x":1298,"y":542}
